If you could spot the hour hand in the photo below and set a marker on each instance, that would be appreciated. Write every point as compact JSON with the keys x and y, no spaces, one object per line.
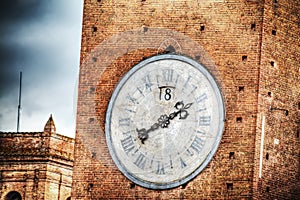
{"x":142,"y":134}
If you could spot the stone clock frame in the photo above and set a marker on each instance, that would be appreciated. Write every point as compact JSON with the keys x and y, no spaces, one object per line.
{"x":218,"y":136}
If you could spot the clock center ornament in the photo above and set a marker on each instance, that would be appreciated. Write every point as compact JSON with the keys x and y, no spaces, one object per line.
{"x":164,"y":121}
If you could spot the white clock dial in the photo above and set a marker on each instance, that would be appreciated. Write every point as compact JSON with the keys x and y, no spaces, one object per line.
{"x":164,"y":121}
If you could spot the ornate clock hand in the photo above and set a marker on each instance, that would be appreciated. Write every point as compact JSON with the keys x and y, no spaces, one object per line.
{"x":164,"y":120}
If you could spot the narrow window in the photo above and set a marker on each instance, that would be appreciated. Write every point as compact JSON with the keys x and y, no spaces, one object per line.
{"x":269,"y":94}
{"x":229,"y":186}
{"x":91,"y":185}
{"x":241,"y":88}
{"x":94,"y":29}
{"x":91,"y":120}
{"x":93,"y":154}
{"x":92,"y":90}
{"x":202,"y":27}
{"x":132,"y":185}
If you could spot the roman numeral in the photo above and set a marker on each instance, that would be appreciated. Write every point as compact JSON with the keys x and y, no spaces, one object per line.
{"x":147,"y":82}
{"x":201,"y":109}
{"x":133,"y":100}
{"x":197,"y":144}
{"x":176,"y":81}
{"x":201,"y":133}
{"x":187,"y":81}
{"x":140,"y":161}
{"x":124,"y":121}
{"x":204,"y":121}
{"x":182,"y":163}
{"x":127,"y":144}
{"x":189,"y":152}
{"x":129,"y":110}
{"x":171,"y":162}
{"x":160,"y":168}
{"x":141,"y":92}
{"x":201,"y":98}
{"x":168,"y":75}
{"x":194,"y":89}
{"x":151,"y":163}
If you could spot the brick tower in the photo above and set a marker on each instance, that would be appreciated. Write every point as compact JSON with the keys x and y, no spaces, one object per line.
{"x":251,"y":47}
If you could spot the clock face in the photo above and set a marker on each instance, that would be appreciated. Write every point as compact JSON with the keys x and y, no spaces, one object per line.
{"x":164,"y":121}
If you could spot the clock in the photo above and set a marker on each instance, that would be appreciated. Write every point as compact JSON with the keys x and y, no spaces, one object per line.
{"x":164,"y":121}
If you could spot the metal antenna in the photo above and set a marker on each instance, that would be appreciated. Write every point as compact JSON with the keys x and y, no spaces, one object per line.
{"x":19,"y":106}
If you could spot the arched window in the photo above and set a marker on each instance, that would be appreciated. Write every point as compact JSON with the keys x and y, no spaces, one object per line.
{"x":13,"y":195}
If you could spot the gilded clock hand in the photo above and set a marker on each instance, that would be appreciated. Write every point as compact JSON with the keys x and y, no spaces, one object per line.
{"x":164,"y":120}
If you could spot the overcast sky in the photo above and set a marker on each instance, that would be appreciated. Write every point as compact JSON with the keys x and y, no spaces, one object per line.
{"x":41,"y":38}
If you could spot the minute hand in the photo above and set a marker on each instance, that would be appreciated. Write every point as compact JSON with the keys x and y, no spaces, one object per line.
{"x":164,"y":120}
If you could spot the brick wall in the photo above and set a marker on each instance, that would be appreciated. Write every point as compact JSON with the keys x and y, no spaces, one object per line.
{"x":25,"y":178}
{"x":234,"y":40}
{"x":279,"y":97}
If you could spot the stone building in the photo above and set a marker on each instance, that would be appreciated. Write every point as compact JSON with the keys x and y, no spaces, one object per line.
{"x":36,"y":165}
{"x":251,"y":47}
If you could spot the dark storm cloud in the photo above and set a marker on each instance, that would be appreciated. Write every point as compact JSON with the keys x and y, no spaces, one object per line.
{"x":20,"y":10}
{"x":41,"y":39}
{"x":14,"y":15}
